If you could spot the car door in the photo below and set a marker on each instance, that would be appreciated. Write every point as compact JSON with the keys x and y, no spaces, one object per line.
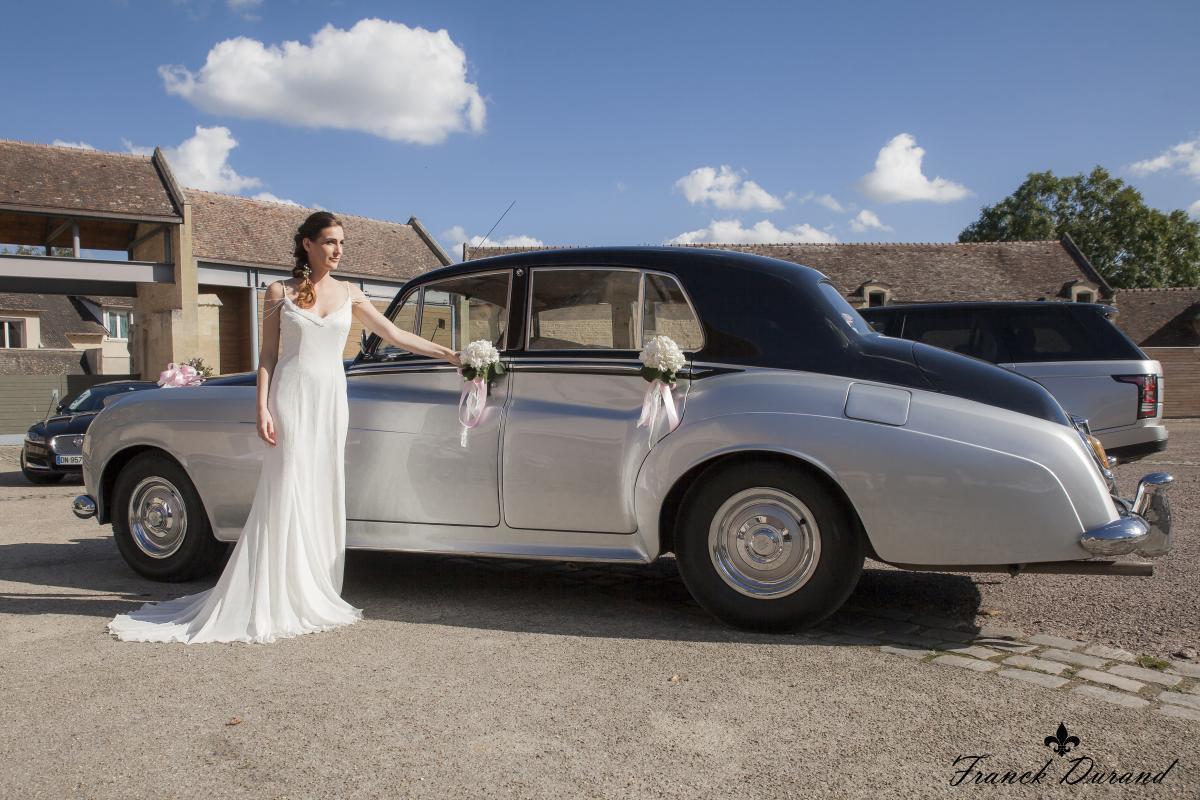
{"x":572,"y":447}
{"x":404,"y":462}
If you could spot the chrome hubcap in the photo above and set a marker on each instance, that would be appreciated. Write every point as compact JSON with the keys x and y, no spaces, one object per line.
{"x":157,"y":517}
{"x":764,"y":542}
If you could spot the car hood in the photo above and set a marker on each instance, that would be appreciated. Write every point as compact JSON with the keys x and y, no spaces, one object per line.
{"x":64,"y":423}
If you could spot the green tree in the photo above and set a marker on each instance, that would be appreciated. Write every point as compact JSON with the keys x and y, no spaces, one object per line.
{"x":1128,"y":242}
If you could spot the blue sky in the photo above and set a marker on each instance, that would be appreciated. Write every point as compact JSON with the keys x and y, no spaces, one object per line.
{"x":612,"y":123}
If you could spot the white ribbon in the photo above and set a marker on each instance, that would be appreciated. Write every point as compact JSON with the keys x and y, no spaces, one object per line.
{"x":658,"y":391}
{"x":474,"y":398}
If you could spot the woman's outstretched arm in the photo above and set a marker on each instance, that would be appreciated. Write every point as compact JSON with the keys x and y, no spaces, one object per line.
{"x":366,"y":313}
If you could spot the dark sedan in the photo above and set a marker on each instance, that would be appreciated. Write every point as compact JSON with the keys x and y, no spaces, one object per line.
{"x":52,"y":447}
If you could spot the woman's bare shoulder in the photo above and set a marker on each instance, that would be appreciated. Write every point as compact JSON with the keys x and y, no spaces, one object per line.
{"x":356,"y":293}
{"x":277,"y":290}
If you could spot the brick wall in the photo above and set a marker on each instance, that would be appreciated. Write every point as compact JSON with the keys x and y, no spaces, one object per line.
{"x":1181,"y":379}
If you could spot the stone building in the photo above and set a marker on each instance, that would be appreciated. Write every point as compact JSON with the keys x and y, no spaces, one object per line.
{"x":110,"y":269}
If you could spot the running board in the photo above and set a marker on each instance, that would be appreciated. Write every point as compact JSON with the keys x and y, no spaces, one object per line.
{"x":1128,"y":568}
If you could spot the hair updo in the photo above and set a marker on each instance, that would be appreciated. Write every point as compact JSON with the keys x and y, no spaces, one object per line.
{"x":318,"y":221}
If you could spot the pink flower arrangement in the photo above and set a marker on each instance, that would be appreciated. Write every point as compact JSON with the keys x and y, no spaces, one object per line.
{"x":179,"y":375}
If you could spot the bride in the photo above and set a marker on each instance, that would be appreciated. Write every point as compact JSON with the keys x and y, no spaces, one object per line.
{"x":284,"y":577}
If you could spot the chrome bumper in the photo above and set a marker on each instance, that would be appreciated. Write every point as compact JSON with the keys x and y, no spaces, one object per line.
{"x":84,"y":506}
{"x":1145,"y":527}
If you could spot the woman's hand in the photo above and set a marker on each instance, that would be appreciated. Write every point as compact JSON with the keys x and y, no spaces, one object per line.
{"x":266,"y":426}
{"x":452,"y":357}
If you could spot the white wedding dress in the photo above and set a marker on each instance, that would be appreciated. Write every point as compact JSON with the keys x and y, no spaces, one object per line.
{"x":284,"y":577}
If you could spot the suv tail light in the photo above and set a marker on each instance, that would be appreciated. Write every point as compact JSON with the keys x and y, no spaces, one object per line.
{"x":1147,"y":393}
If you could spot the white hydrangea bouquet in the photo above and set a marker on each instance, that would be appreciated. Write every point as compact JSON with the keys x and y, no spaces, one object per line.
{"x":480,"y":366}
{"x":661,"y":361}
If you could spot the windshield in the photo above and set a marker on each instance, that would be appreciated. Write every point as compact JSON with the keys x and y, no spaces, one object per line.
{"x":92,"y":399}
{"x":849,"y":316}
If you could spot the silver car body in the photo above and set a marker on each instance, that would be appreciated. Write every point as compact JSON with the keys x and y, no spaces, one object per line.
{"x":558,"y":468}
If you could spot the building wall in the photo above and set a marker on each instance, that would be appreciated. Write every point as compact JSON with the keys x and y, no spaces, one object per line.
{"x":1181,"y":379}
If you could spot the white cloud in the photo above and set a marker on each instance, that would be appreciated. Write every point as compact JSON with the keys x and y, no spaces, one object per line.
{"x":456,"y":237}
{"x":867,"y":221}
{"x":1194,"y":209}
{"x":76,"y":145}
{"x":244,"y":7}
{"x":273,"y":199}
{"x":830,"y":202}
{"x":826,"y":200}
{"x":1183,"y":157}
{"x":897,"y":176}
{"x":730,"y":231}
{"x":202,"y":162}
{"x":380,"y":77}
{"x":724,"y":188}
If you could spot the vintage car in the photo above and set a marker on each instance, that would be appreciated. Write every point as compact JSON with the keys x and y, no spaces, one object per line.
{"x":807,"y":441}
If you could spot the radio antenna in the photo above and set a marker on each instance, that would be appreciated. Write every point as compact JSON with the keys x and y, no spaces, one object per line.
{"x":502,"y":216}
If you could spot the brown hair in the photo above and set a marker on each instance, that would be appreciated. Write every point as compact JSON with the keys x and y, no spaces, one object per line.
{"x":309,"y":229}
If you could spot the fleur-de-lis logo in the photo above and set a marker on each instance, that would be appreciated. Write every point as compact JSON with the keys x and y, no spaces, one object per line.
{"x":1061,"y":743}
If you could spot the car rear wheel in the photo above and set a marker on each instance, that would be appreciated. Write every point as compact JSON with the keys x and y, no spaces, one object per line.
{"x":159,"y":523}
{"x":766,"y":546}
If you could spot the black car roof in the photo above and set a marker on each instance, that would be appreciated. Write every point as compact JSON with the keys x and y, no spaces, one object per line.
{"x":682,"y":261}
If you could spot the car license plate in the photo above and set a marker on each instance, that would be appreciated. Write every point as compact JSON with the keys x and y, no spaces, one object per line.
{"x":68,"y":459}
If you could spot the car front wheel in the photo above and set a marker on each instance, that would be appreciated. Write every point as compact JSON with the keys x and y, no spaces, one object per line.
{"x":767,"y":546}
{"x":159,"y":523}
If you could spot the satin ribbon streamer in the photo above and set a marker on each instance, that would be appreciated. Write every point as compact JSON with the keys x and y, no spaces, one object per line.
{"x":658,"y":391}
{"x":474,"y":398}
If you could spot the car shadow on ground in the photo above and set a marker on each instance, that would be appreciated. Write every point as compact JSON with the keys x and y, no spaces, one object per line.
{"x":643,"y":601}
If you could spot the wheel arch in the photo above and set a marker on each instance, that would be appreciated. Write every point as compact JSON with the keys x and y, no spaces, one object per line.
{"x":669,"y":509}
{"x":113,"y":467}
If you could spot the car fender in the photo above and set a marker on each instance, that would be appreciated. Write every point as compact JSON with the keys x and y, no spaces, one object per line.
{"x":209,"y":431}
{"x":957,"y":483}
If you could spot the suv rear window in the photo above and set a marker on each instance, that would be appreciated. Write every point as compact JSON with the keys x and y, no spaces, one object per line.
{"x":1060,"y":334}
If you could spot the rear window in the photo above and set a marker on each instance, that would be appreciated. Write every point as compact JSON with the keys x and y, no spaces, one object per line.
{"x":1061,"y":334}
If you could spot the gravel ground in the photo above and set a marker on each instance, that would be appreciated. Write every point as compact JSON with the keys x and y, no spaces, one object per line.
{"x":472,"y":678}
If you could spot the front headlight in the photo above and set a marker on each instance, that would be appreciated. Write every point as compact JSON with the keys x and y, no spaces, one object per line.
{"x":34,"y":436}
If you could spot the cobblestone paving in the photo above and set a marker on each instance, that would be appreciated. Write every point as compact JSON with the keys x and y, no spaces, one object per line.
{"x":1163,"y":686}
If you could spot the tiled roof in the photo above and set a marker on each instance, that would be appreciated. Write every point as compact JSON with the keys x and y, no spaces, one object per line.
{"x":59,"y":315}
{"x":241,"y":230}
{"x":42,"y":176}
{"x":1159,"y":317}
{"x":924,"y":272}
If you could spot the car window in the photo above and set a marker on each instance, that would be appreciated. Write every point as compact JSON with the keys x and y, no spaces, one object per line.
{"x":844,"y":314}
{"x":583,"y":309}
{"x":947,"y":330}
{"x":1062,"y":334}
{"x":665,"y":312}
{"x":457,"y":311}
{"x":404,"y":318}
